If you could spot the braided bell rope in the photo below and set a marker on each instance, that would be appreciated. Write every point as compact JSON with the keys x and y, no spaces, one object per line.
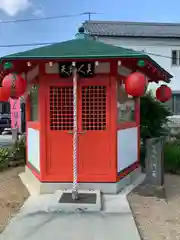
{"x":74,"y":187}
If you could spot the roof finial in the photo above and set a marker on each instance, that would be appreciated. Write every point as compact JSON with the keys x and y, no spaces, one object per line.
{"x":81,"y":33}
{"x":81,"y":29}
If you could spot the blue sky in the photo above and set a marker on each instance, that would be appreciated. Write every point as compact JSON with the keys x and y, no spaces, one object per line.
{"x":65,"y":28}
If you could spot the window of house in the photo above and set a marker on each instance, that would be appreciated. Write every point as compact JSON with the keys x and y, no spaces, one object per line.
{"x":125,"y":105}
{"x":34,"y":104}
{"x":176,"y":99}
{"x":170,"y":105}
{"x":173,"y":104}
{"x":175,"y":57}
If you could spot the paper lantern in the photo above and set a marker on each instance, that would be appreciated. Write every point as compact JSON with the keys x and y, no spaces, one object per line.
{"x":14,"y":85}
{"x":4,"y":96}
{"x":136,"y":84}
{"x":163,"y":93}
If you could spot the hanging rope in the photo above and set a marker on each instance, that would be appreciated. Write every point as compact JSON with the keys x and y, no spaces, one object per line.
{"x":74,"y":189}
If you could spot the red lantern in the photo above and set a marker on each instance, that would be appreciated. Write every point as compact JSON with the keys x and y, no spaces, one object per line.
{"x":14,"y":85}
{"x":136,"y":84}
{"x":163,"y":93}
{"x":4,"y":97}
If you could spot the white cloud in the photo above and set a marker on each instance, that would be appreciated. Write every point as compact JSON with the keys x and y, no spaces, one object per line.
{"x":12,"y":7}
{"x":39,"y":12}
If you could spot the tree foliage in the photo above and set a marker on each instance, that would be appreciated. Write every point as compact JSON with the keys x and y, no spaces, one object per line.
{"x":153,"y":117}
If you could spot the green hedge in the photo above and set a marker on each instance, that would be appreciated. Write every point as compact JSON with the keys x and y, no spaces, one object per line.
{"x":4,"y":156}
{"x":172,"y":157}
{"x":13,"y":156}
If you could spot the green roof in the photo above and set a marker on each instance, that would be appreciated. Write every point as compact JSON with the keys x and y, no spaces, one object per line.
{"x":81,"y":49}
{"x":76,"y":49}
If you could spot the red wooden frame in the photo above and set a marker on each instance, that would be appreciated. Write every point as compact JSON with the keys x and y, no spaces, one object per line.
{"x":150,"y":68}
{"x":127,"y":125}
{"x":41,"y":126}
{"x":34,"y":125}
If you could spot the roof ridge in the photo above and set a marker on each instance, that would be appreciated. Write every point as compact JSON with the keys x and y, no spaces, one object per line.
{"x":132,"y":29}
{"x":132,"y":23}
{"x":50,"y":46}
{"x":81,"y":49}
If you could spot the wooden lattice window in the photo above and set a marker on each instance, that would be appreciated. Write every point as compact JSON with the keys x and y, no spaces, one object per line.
{"x":94,"y":108}
{"x":61,"y":108}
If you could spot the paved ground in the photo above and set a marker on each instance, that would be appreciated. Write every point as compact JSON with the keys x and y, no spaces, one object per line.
{"x":71,"y":226}
{"x":42,"y":217}
{"x":157,"y":219}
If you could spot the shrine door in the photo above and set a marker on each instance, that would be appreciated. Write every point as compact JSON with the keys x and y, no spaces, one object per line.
{"x":94,"y":130}
{"x":93,"y":145}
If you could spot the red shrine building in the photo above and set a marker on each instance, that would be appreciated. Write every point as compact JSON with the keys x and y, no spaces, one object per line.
{"x":108,"y":117}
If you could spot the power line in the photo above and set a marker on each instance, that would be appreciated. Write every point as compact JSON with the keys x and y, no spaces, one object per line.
{"x":27,"y":44}
{"x":57,"y":17}
{"x":50,"y":43}
{"x":49,"y":18}
{"x":157,"y":55}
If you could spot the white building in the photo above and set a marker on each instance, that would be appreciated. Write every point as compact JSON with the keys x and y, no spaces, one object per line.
{"x":160,"y":40}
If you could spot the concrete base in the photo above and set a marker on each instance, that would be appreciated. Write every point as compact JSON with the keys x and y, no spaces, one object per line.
{"x":36,"y":187}
{"x":107,"y":203}
{"x":88,"y":207}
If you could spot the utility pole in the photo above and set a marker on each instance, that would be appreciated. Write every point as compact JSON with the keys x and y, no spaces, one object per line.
{"x":89,"y":14}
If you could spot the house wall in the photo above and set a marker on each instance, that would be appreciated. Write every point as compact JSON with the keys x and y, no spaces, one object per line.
{"x":156,"y":46}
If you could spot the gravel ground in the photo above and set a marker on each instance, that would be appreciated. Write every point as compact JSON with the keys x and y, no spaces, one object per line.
{"x":12,"y":194}
{"x":158,"y":219}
